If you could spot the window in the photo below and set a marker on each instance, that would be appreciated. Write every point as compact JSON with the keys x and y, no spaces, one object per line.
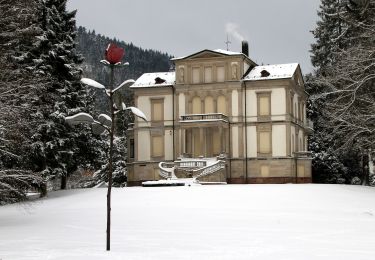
{"x":157,"y":110}
{"x":291,"y":105}
{"x":264,"y":104}
{"x":264,"y":139}
{"x":131,"y":148}
{"x":195,"y":75}
{"x":221,"y":105}
{"x":209,"y":105}
{"x":292,"y":145}
{"x":264,"y":170}
{"x":157,"y":146}
{"x":301,"y":170}
{"x":208,"y":74}
{"x":265,"y":142}
{"x":220,"y":74}
{"x":303,"y":112}
{"x":196,"y":105}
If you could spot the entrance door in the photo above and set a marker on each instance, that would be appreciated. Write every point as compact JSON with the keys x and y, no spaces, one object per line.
{"x":210,"y":144}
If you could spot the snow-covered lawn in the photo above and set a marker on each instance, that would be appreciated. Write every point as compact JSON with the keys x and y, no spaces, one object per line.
{"x":201,"y":222}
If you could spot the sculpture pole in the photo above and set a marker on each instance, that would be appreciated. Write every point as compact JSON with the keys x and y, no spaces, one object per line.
{"x":106,"y":123}
{"x":110,"y":170}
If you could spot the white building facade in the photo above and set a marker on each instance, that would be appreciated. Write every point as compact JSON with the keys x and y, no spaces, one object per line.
{"x":220,"y":105}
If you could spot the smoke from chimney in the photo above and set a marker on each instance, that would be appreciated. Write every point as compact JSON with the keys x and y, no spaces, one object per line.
{"x":232,"y":29}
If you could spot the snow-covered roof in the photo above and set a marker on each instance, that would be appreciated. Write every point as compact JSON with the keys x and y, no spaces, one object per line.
{"x":277,"y":71}
{"x":228,"y":52}
{"x":220,"y":51}
{"x":158,"y":79}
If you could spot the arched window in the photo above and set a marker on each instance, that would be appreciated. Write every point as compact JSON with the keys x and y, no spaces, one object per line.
{"x":196,"y":105}
{"x":222,"y":105}
{"x":209,"y":105}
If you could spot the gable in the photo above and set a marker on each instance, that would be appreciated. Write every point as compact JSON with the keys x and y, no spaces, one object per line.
{"x":206,"y":54}
{"x":298,"y":77}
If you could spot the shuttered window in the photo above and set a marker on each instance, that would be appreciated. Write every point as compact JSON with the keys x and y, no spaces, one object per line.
{"x":195,"y":75}
{"x":265,"y":171}
{"x":208,"y":74}
{"x":196,"y":105}
{"x":157,"y":146}
{"x":209,"y":105}
{"x":221,"y":105}
{"x":220,"y":74}
{"x":157,"y":112}
{"x":265,"y":142}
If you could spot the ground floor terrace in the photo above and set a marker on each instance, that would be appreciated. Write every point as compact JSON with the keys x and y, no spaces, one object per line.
{"x":234,"y":171}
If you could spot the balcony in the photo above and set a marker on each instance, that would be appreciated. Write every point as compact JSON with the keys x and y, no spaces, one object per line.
{"x":212,"y":117}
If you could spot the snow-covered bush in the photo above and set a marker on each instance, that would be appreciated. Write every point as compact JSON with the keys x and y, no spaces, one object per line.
{"x":356,"y":181}
{"x":119,"y":176}
{"x":14,"y":184}
{"x":372,"y":180}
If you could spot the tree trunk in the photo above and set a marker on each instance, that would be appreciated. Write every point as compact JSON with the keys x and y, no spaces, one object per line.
{"x":370,"y":164}
{"x":63,"y":182}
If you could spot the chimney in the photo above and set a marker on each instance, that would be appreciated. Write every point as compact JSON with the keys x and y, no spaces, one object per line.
{"x":245,"y":48}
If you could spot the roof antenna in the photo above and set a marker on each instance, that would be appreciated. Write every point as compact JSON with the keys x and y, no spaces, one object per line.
{"x":228,"y":42}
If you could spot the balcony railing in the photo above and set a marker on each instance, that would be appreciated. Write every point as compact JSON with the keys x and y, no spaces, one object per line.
{"x":190,"y":163}
{"x":204,"y":117}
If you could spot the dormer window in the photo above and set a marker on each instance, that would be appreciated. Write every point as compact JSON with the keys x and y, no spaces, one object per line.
{"x":264,"y":73}
{"x":159,"y":80}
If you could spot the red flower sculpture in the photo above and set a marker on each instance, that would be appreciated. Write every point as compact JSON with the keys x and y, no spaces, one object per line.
{"x":114,"y":54}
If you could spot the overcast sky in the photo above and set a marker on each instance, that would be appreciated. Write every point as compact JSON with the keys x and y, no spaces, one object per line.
{"x":278,"y":31}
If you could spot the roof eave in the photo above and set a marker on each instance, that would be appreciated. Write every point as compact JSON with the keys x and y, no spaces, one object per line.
{"x":263,"y":79}
{"x":153,"y":86}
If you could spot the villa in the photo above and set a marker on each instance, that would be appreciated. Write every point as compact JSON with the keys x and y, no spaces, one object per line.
{"x":220,"y":117}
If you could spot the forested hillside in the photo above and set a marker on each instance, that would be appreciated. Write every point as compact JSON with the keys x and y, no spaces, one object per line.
{"x":92,"y":47}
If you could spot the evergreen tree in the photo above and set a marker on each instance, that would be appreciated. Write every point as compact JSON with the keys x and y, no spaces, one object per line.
{"x":328,"y":34}
{"x":58,"y":148}
{"x":18,"y":91}
{"x":327,"y":166}
{"x":341,"y":90}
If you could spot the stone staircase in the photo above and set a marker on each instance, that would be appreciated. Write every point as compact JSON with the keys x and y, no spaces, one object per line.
{"x":191,"y":168}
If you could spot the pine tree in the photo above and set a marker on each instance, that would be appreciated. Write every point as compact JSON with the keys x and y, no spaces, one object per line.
{"x":18,"y":91}
{"x":329,"y":34}
{"x":57,"y":149}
